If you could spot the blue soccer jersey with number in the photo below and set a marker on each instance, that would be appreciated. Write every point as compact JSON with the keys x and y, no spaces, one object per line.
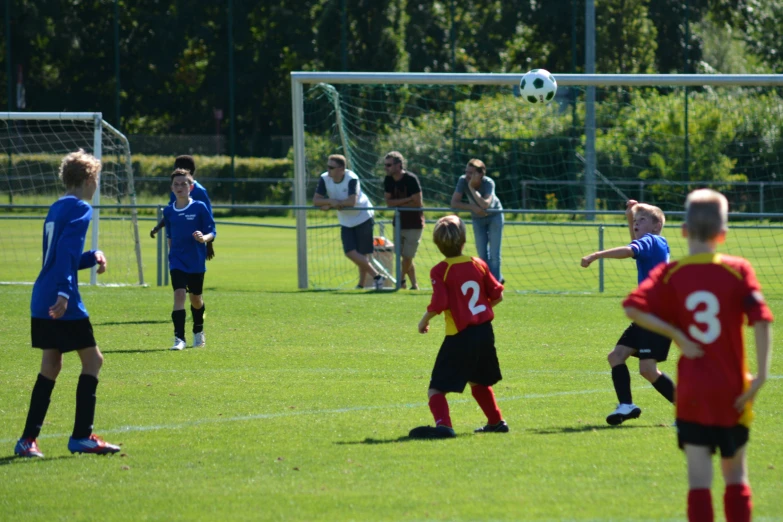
{"x":185,"y":253}
{"x":199,"y":193}
{"x":65,"y":230}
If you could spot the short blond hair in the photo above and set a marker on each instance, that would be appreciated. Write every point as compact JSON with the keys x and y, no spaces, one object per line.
{"x":339,"y":159}
{"x":706,"y":214}
{"x":478,"y":165}
{"x":655,"y":213}
{"x":77,"y":167}
{"x":449,"y":235}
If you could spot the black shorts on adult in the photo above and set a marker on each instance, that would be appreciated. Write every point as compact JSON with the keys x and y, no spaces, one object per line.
{"x":728,"y":440}
{"x":193,"y":283}
{"x":358,"y":238}
{"x":65,"y":336}
{"x":648,"y":345}
{"x":468,"y":356}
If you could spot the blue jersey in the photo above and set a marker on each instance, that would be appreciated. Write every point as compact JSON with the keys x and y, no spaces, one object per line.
{"x":649,"y":251}
{"x":199,"y":193}
{"x":186,"y":253}
{"x":65,"y":230}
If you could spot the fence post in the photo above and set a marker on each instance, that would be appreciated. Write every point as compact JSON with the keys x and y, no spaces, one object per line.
{"x":641,"y":191}
{"x":159,"y":256}
{"x":761,"y":197}
{"x":600,"y":261}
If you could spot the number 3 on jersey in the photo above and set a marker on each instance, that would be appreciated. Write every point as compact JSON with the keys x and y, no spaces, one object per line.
{"x":707,"y":317}
{"x":473,"y":287}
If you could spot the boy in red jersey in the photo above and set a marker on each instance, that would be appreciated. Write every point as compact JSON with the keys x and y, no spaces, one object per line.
{"x":465,"y":289}
{"x":700,"y":302}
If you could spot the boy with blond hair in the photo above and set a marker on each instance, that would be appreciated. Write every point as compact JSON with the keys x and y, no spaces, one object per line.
{"x":59,"y":320}
{"x":701,"y":303}
{"x":648,"y":248}
{"x":466,"y":291}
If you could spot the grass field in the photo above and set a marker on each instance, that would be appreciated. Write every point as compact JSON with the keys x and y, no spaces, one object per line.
{"x":300,"y":405}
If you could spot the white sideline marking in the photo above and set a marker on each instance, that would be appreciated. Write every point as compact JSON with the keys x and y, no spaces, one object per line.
{"x":263,"y":416}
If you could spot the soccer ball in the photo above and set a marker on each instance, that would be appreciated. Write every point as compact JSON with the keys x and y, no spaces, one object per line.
{"x":538,"y":86}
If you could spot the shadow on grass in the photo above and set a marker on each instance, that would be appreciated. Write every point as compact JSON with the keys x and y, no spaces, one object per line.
{"x":592,"y":427}
{"x":153,"y":350}
{"x":119,"y":323}
{"x":371,"y":441}
{"x":13,"y":459}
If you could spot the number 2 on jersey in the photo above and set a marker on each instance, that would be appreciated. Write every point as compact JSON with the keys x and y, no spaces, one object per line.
{"x":472,"y":286}
{"x":707,"y":317}
{"x":49,"y":233}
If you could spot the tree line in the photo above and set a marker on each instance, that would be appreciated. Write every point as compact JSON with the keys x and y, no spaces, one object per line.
{"x":174,"y":55}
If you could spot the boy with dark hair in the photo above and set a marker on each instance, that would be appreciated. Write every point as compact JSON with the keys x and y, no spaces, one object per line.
{"x":59,"y":320}
{"x":189,"y":227}
{"x":701,"y":302}
{"x":465,"y":289}
{"x":199,"y":193}
{"x":649,"y":248}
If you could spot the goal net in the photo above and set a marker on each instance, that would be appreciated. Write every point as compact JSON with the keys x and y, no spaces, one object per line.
{"x":563,"y":171}
{"x":32,"y":146}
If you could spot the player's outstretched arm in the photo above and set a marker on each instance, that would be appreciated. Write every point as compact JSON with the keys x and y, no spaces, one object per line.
{"x":651,"y":322}
{"x":629,"y":215}
{"x":157,"y":228}
{"x":622,"y":252}
{"x":763,"y":334}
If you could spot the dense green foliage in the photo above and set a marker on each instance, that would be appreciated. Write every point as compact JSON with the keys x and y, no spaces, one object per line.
{"x":174,"y":55}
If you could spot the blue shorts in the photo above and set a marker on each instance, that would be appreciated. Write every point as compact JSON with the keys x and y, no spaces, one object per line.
{"x":358,"y":238}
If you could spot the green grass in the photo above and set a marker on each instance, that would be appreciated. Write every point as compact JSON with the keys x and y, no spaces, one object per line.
{"x":299,"y":407}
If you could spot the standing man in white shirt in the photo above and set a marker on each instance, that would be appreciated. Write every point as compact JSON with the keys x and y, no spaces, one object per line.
{"x":339,"y":188}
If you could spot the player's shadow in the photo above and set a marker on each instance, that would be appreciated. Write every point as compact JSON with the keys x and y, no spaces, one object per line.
{"x":120,"y":323}
{"x":153,"y":350}
{"x":558,"y":430}
{"x":372,"y":441}
{"x":13,"y":459}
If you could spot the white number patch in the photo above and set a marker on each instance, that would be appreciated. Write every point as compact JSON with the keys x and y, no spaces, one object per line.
{"x":707,"y":317}
{"x":49,"y":233}
{"x":472,"y":286}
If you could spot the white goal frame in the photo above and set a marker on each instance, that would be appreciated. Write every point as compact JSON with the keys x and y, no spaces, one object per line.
{"x":300,"y":78}
{"x":99,"y":127}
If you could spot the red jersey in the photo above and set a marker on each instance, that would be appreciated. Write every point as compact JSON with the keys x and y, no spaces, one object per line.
{"x":707,"y":296}
{"x":463,"y":288}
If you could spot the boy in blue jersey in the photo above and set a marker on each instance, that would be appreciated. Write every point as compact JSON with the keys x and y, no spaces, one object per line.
{"x":649,"y":248}
{"x":189,"y":227}
{"x":59,"y":320}
{"x":199,"y":193}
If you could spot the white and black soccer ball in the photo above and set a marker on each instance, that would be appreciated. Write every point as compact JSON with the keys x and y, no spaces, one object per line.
{"x":538,"y":86}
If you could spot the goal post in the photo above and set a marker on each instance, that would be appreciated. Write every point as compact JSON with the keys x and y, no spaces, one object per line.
{"x":32,"y":145}
{"x":573,"y":158}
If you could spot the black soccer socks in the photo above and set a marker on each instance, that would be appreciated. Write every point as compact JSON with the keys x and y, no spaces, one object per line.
{"x":665,"y":387}
{"x":622,"y":383}
{"x":85,"y":406}
{"x":39,"y":405}
{"x":198,"y":318}
{"x":178,"y":317}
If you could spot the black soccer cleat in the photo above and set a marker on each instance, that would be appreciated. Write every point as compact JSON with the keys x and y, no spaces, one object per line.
{"x":500,"y":427}
{"x":622,"y":413}
{"x":428,"y":432}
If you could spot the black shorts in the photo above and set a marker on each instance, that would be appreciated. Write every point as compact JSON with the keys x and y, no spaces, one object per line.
{"x":648,"y":345}
{"x":468,"y":356}
{"x":65,"y":336}
{"x":193,"y":283}
{"x":728,"y":440}
{"x":358,"y":238}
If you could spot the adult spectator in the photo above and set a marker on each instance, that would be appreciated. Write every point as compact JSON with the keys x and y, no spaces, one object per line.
{"x":339,"y":188}
{"x":483,"y":204}
{"x":402,"y":189}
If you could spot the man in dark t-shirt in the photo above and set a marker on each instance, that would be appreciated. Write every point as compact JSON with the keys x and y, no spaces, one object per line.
{"x":402,"y":189}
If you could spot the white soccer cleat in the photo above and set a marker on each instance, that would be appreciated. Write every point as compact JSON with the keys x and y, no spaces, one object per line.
{"x":622,"y":413}
{"x":378,"y":282}
{"x":179,"y":344}
{"x":199,"y":340}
